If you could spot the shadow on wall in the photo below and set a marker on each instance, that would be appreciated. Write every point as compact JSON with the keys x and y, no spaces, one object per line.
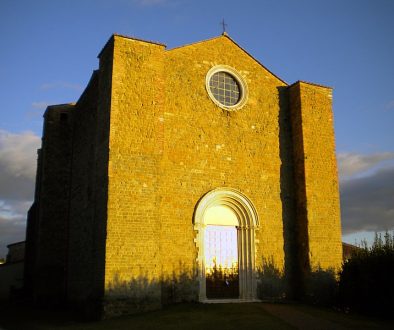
{"x":294,"y":229}
{"x":142,"y":294}
{"x":320,"y":285}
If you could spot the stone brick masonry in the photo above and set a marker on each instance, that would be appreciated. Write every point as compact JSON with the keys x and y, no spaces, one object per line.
{"x":148,"y":143}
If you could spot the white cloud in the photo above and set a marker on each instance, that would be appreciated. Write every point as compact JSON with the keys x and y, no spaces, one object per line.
{"x":350,"y":164}
{"x":367,"y":191}
{"x":390,"y":105}
{"x":150,"y":2}
{"x":11,"y":230}
{"x":18,"y":155}
{"x":42,"y":105}
{"x":13,"y":216}
{"x":367,"y":203}
{"x":61,"y":85}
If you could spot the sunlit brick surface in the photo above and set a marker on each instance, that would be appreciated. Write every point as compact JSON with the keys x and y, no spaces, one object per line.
{"x":145,"y":143}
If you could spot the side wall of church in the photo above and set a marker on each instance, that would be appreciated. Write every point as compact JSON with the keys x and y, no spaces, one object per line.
{"x":318,"y":212}
{"x":52,"y":206}
{"x":88,"y":211}
{"x":32,"y":234}
{"x":101,"y":157}
{"x":82,"y":243}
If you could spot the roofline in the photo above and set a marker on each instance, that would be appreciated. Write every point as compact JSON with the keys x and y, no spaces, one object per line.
{"x":351,"y":245}
{"x":309,"y":83}
{"x":92,"y":78}
{"x":223,"y":35}
{"x":228,"y":37}
{"x":131,"y":38}
{"x":61,"y":105}
{"x":52,"y":106}
{"x":195,"y":43}
{"x":15,"y":243}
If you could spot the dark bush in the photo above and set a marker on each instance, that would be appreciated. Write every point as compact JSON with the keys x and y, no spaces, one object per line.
{"x":367,"y":279}
{"x":321,"y":288}
{"x":271,"y":282}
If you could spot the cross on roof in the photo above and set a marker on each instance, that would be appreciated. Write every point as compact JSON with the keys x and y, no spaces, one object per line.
{"x":223,"y":25}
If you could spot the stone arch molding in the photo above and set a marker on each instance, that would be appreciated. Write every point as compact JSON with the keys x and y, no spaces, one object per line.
{"x":248,"y":223}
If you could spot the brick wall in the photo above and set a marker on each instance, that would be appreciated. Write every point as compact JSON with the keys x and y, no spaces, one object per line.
{"x":143,"y":146}
{"x":53,"y":204}
{"x":88,"y":218}
{"x":206,"y":147}
{"x":132,"y":265}
{"x":81,"y":263}
{"x":318,"y":215}
{"x":170,"y":144}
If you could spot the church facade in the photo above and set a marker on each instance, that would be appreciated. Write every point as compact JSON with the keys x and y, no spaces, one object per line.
{"x":177,"y":176}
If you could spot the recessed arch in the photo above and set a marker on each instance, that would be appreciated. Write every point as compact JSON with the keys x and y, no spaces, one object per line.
{"x":247,"y":222}
{"x":220,"y":215}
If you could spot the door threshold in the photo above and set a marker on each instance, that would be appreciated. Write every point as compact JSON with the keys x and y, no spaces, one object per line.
{"x":229,"y":301}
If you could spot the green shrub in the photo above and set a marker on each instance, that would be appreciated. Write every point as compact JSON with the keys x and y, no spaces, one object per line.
{"x":367,"y":279}
{"x":321,"y":287}
{"x":271,"y":282}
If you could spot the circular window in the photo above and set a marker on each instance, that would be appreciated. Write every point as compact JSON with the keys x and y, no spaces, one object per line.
{"x":226,"y":87}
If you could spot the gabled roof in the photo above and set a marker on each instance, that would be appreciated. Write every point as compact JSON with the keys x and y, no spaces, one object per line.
{"x":310,"y":83}
{"x":128,"y":37}
{"x":225,"y":35}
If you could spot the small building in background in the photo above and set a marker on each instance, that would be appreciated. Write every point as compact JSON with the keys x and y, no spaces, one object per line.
{"x":11,"y":272}
{"x":348,"y":250}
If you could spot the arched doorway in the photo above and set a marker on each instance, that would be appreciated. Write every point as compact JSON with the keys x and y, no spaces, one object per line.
{"x":226,"y":221}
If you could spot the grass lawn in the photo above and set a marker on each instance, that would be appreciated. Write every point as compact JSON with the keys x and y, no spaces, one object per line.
{"x":185,"y":316}
{"x":350,"y":321}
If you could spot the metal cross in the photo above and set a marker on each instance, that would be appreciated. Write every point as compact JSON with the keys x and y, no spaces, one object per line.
{"x":224,"y":26}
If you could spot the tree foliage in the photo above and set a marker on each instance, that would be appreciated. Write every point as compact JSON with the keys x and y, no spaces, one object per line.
{"x":367,"y":279}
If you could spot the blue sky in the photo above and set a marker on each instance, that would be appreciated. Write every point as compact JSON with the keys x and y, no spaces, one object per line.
{"x":49,"y":50}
